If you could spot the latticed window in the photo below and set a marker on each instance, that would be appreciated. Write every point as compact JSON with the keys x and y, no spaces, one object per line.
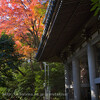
{"x":84,"y":75}
{"x":84,"y":78}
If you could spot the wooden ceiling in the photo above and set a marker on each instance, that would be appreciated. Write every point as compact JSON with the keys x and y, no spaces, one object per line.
{"x":66,"y":29}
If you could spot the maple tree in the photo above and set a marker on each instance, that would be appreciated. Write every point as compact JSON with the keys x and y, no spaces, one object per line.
{"x":23,"y":18}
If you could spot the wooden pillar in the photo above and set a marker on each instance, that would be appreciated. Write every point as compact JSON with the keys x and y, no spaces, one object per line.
{"x":92,"y":72}
{"x":76,"y":79}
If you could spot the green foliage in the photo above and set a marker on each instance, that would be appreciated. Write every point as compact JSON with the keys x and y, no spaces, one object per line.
{"x":57,"y":83}
{"x":32,"y":83}
{"x":95,"y":6}
{"x":9,"y":62}
{"x":8,"y":58}
{"x":16,"y":85}
{"x":25,"y":84}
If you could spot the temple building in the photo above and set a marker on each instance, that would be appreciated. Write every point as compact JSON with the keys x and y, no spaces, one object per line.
{"x":72,"y":37}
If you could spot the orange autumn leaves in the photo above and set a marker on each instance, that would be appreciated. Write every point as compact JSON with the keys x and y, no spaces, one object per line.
{"x":24,"y":50}
{"x":17,"y":17}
